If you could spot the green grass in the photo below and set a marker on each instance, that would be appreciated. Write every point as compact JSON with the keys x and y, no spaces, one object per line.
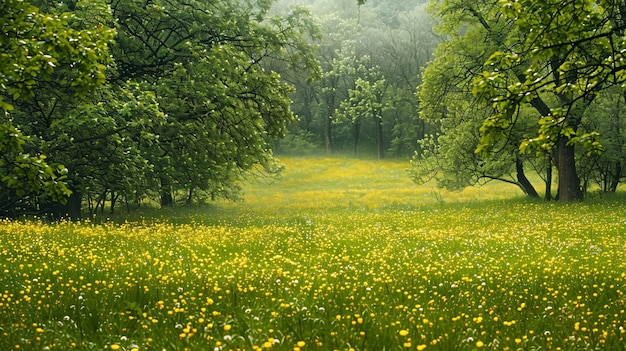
{"x":332,"y":185}
{"x":339,"y":254}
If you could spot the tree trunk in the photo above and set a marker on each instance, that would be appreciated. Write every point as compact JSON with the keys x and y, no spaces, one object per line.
{"x":114,"y":198}
{"x":356,"y":131}
{"x":190,"y":196}
{"x":569,"y":182}
{"x":167,"y":199}
{"x":548,"y":194}
{"x":328,"y":137}
{"x":617,"y":170}
{"x":379,"y":137}
{"x":100,"y":202}
{"x":166,"y":194}
{"x":527,"y":187}
{"x":73,"y":205}
{"x":617,"y":175}
{"x":70,"y":210}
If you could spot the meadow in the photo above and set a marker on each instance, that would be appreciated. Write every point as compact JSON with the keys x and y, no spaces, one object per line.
{"x":338,"y":254}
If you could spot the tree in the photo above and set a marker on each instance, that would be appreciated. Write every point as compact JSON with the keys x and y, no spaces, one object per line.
{"x":555,"y":58}
{"x":406,"y":49}
{"x":38,"y":49}
{"x":188,"y":105}
{"x":25,"y":176}
{"x":336,"y":48}
{"x":606,"y":170}
{"x":538,"y":64}
{"x":397,"y":38}
{"x":566,"y":55}
{"x":205,"y":64}
{"x":366,"y":99}
{"x":446,"y":101}
{"x":91,"y":135}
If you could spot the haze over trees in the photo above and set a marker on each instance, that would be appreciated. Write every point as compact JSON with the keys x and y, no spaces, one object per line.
{"x":371,"y":58}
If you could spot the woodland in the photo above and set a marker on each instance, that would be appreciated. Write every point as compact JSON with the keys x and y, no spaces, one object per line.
{"x":114,"y":103}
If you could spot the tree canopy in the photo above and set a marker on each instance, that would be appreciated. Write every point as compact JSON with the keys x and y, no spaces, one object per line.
{"x":39,"y":49}
{"x":150,"y":99}
{"x":534,"y":70}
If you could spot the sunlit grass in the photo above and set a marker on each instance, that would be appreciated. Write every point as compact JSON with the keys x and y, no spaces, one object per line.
{"x":337,"y":255}
{"x":334,"y":182}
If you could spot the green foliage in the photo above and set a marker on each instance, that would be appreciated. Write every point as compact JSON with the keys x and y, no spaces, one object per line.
{"x":606,"y":169}
{"x":447,"y":101}
{"x":187,"y":105}
{"x":571,"y":51}
{"x":25,"y":176}
{"x":367,"y":98}
{"x":537,"y":66}
{"x":35,"y":45}
{"x":396,"y":39}
{"x":205,"y":64}
{"x":37,"y":50}
{"x":298,"y":144}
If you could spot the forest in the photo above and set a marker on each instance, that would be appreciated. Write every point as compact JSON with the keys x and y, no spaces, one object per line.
{"x":113,"y":103}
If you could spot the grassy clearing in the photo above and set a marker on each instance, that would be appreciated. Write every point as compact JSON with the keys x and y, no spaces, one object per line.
{"x":340,"y":183}
{"x":337,"y":255}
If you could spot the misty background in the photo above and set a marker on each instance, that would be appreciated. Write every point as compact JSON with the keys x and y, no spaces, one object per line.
{"x":365,"y":101}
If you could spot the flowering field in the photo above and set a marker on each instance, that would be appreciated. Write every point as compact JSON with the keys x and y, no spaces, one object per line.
{"x":375,"y":269}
